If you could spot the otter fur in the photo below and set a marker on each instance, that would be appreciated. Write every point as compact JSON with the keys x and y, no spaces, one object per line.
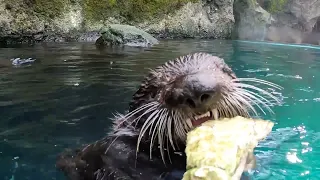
{"x":148,"y":141}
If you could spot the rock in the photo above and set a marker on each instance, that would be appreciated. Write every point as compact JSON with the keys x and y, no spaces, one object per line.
{"x":283,"y":34}
{"x":76,"y":20}
{"x":294,"y":21}
{"x":311,"y":38}
{"x":31,"y":21}
{"x":251,"y":20}
{"x":117,"y":34}
{"x":297,"y":14}
{"x":205,"y":19}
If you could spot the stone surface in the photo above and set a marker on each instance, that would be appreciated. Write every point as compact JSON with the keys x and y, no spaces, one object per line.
{"x":20,"y":22}
{"x":295,"y":23}
{"x":30,"y":21}
{"x":206,"y":19}
{"x":284,"y":34}
{"x":117,"y":34}
{"x":299,"y":14}
{"x":251,"y":20}
{"x":287,"y":21}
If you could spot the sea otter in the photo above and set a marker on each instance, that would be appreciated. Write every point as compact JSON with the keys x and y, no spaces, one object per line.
{"x":148,"y":141}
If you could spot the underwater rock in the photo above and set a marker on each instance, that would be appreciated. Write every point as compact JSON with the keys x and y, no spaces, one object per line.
{"x":117,"y":34}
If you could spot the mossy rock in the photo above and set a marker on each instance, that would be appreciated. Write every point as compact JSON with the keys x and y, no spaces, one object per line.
{"x":130,"y":10}
{"x":274,"y":6}
{"x":118,"y":34}
{"x":48,"y":9}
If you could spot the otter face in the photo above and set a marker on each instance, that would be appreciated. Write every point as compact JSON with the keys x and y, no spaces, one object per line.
{"x":187,"y":91}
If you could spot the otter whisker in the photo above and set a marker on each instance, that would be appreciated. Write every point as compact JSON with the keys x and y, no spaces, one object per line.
{"x":156,"y":127}
{"x":230,"y":103}
{"x":249,"y":99}
{"x":168,"y":149}
{"x":134,"y":112}
{"x":152,"y":128}
{"x":130,"y":114}
{"x":222,"y":111}
{"x":236,"y":98}
{"x":168,"y":132}
{"x":135,"y":120}
{"x":253,"y":95}
{"x":256,"y":96}
{"x":145,"y":127}
{"x":243,"y":98}
{"x":179,"y":125}
{"x":223,"y":106}
{"x":240,"y":107}
{"x":169,"y":124}
{"x":160,"y":138}
{"x":255,"y":101}
{"x":260,"y":81}
{"x":252,"y":98}
{"x":257,"y":89}
{"x":238,"y":103}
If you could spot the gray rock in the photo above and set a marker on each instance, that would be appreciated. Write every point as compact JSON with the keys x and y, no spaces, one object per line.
{"x":117,"y":34}
{"x":251,"y":20}
{"x":206,"y":19}
{"x":298,"y":14}
{"x":219,"y":19}
{"x":295,"y":21}
{"x":284,"y":34}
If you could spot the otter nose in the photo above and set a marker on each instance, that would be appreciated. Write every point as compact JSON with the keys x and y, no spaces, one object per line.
{"x":200,"y":88}
{"x":197,"y":101}
{"x":198,"y":91}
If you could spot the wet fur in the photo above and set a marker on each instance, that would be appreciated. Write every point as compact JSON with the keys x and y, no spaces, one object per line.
{"x":119,"y":156}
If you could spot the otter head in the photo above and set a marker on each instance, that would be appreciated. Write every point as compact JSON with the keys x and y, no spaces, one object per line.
{"x":187,"y":91}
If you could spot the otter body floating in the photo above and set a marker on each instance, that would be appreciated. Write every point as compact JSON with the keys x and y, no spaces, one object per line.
{"x":147,"y":142}
{"x":216,"y":149}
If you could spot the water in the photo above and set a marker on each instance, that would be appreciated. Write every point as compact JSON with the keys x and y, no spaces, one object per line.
{"x":66,"y":98}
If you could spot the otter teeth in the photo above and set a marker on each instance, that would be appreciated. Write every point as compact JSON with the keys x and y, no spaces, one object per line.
{"x":212,"y":114}
{"x":202,"y":116}
{"x":215,"y":113}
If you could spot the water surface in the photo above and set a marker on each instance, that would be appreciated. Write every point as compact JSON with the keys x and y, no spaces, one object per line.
{"x":68,"y":96}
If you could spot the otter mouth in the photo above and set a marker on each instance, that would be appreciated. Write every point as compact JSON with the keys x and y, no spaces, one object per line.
{"x":210,"y":115}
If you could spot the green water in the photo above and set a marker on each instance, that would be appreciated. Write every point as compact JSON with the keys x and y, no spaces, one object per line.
{"x":67,"y":97}
{"x":292,"y":150}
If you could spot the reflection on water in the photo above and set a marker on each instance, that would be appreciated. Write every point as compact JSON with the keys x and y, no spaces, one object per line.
{"x":67,"y":97}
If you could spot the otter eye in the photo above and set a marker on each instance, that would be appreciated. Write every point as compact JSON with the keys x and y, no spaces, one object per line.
{"x":229,"y":71}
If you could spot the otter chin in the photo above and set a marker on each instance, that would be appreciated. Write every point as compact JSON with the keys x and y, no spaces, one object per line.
{"x":148,"y":141}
